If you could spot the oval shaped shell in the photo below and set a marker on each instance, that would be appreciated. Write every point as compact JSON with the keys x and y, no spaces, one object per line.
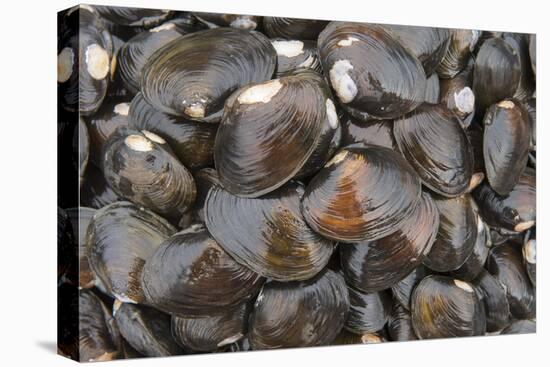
{"x":140,"y":167}
{"x":190,"y":275}
{"x":506,"y":142}
{"x":211,"y":332}
{"x":368,"y":312}
{"x":505,"y":263}
{"x":193,"y":75}
{"x":375,"y":265}
{"x":370,"y":71}
{"x":513,"y":212}
{"x":444,"y":307}
{"x":400,"y":324}
{"x":363,"y":193}
{"x":267,"y":234}
{"x":263,"y":122}
{"x":433,"y":142}
{"x":493,"y":295}
{"x":120,"y":238}
{"x":496,"y":72}
{"x":456,"y":236}
{"x":146,"y":330}
{"x":293,"y":28}
{"x":191,"y":142}
{"x":282,"y":316}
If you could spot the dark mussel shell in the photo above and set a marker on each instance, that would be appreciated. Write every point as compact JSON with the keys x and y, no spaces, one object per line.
{"x":475,"y":137}
{"x":493,"y":295}
{"x":67,"y":60}
{"x":190,"y":275}
{"x":365,"y":192}
{"x":147,"y":330}
{"x":456,"y":236}
{"x":475,"y":262}
{"x":295,"y":54}
{"x":140,"y":167}
{"x":533,"y":52}
{"x":193,"y":75}
{"x":133,"y":17}
{"x":529,"y":252}
{"x":347,"y":338}
{"x":80,"y":218}
{"x":433,"y":142}
{"x":376,"y":132}
{"x":264,"y":122}
{"x":134,"y":54}
{"x":371,"y":73}
{"x":375,"y":265}
{"x":95,"y":340}
{"x":513,"y":212}
{"x":95,"y":192}
{"x":457,"y":95}
{"x":267,"y":234}
{"x":400,"y":324}
{"x":65,"y":243}
{"x":299,"y":314}
{"x":368,"y":312}
{"x":443,"y":307}
{"x":432,"y":90}
{"x":120,"y":237}
{"x":402,"y":290}
{"x":81,"y":145}
{"x":293,"y":28}
{"x":506,"y":141}
{"x":191,"y":142}
{"x":520,"y":43}
{"x":497,"y":72}
{"x":95,"y":55}
{"x":239,"y":21}
{"x":427,"y":44}
{"x":505,"y":263}
{"x":205,"y":179}
{"x":211,"y":332}
{"x":104,"y":123}
{"x":520,"y":327}
{"x":461,"y":46}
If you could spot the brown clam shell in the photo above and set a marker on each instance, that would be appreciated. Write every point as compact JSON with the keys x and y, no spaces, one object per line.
{"x":444,"y":307}
{"x":267,"y":234}
{"x":190,"y":275}
{"x":282,"y":316}
{"x":370,"y":71}
{"x":433,"y":142}
{"x":362,"y":194}
{"x":375,"y":265}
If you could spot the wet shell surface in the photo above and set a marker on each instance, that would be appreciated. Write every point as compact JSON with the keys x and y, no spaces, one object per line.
{"x":299,"y":314}
{"x":95,"y":192}
{"x":505,"y":263}
{"x":211,"y":332}
{"x":368,"y":312}
{"x":506,"y":141}
{"x":81,"y":218}
{"x":189,"y":274}
{"x":461,"y":46}
{"x":133,"y":17}
{"x":193,"y":75}
{"x":293,"y":28}
{"x":514,"y":212}
{"x":403,"y":289}
{"x":239,"y":21}
{"x":444,"y":307}
{"x":400,"y":324}
{"x":496,"y":72}
{"x":432,"y":90}
{"x":377,"y":132}
{"x":140,"y":167}
{"x":493,"y":295}
{"x":365,"y":192}
{"x":520,"y":43}
{"x":433,"y":142}
{"x":295,"y":54}
{"x":375,"y":265}
{"x":267,"y":234}
{"x":205,"y":179}
{"x":371,"y":72}
{"x":456,"y":236}
{"x":191,"y":142}
{"x":456,"y":93}
{"x":120,"y":238}
{"x":529,"y":252}
{"x":263,"y":122}
{"x":520,"y":327}
{"x":146,"y":330}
